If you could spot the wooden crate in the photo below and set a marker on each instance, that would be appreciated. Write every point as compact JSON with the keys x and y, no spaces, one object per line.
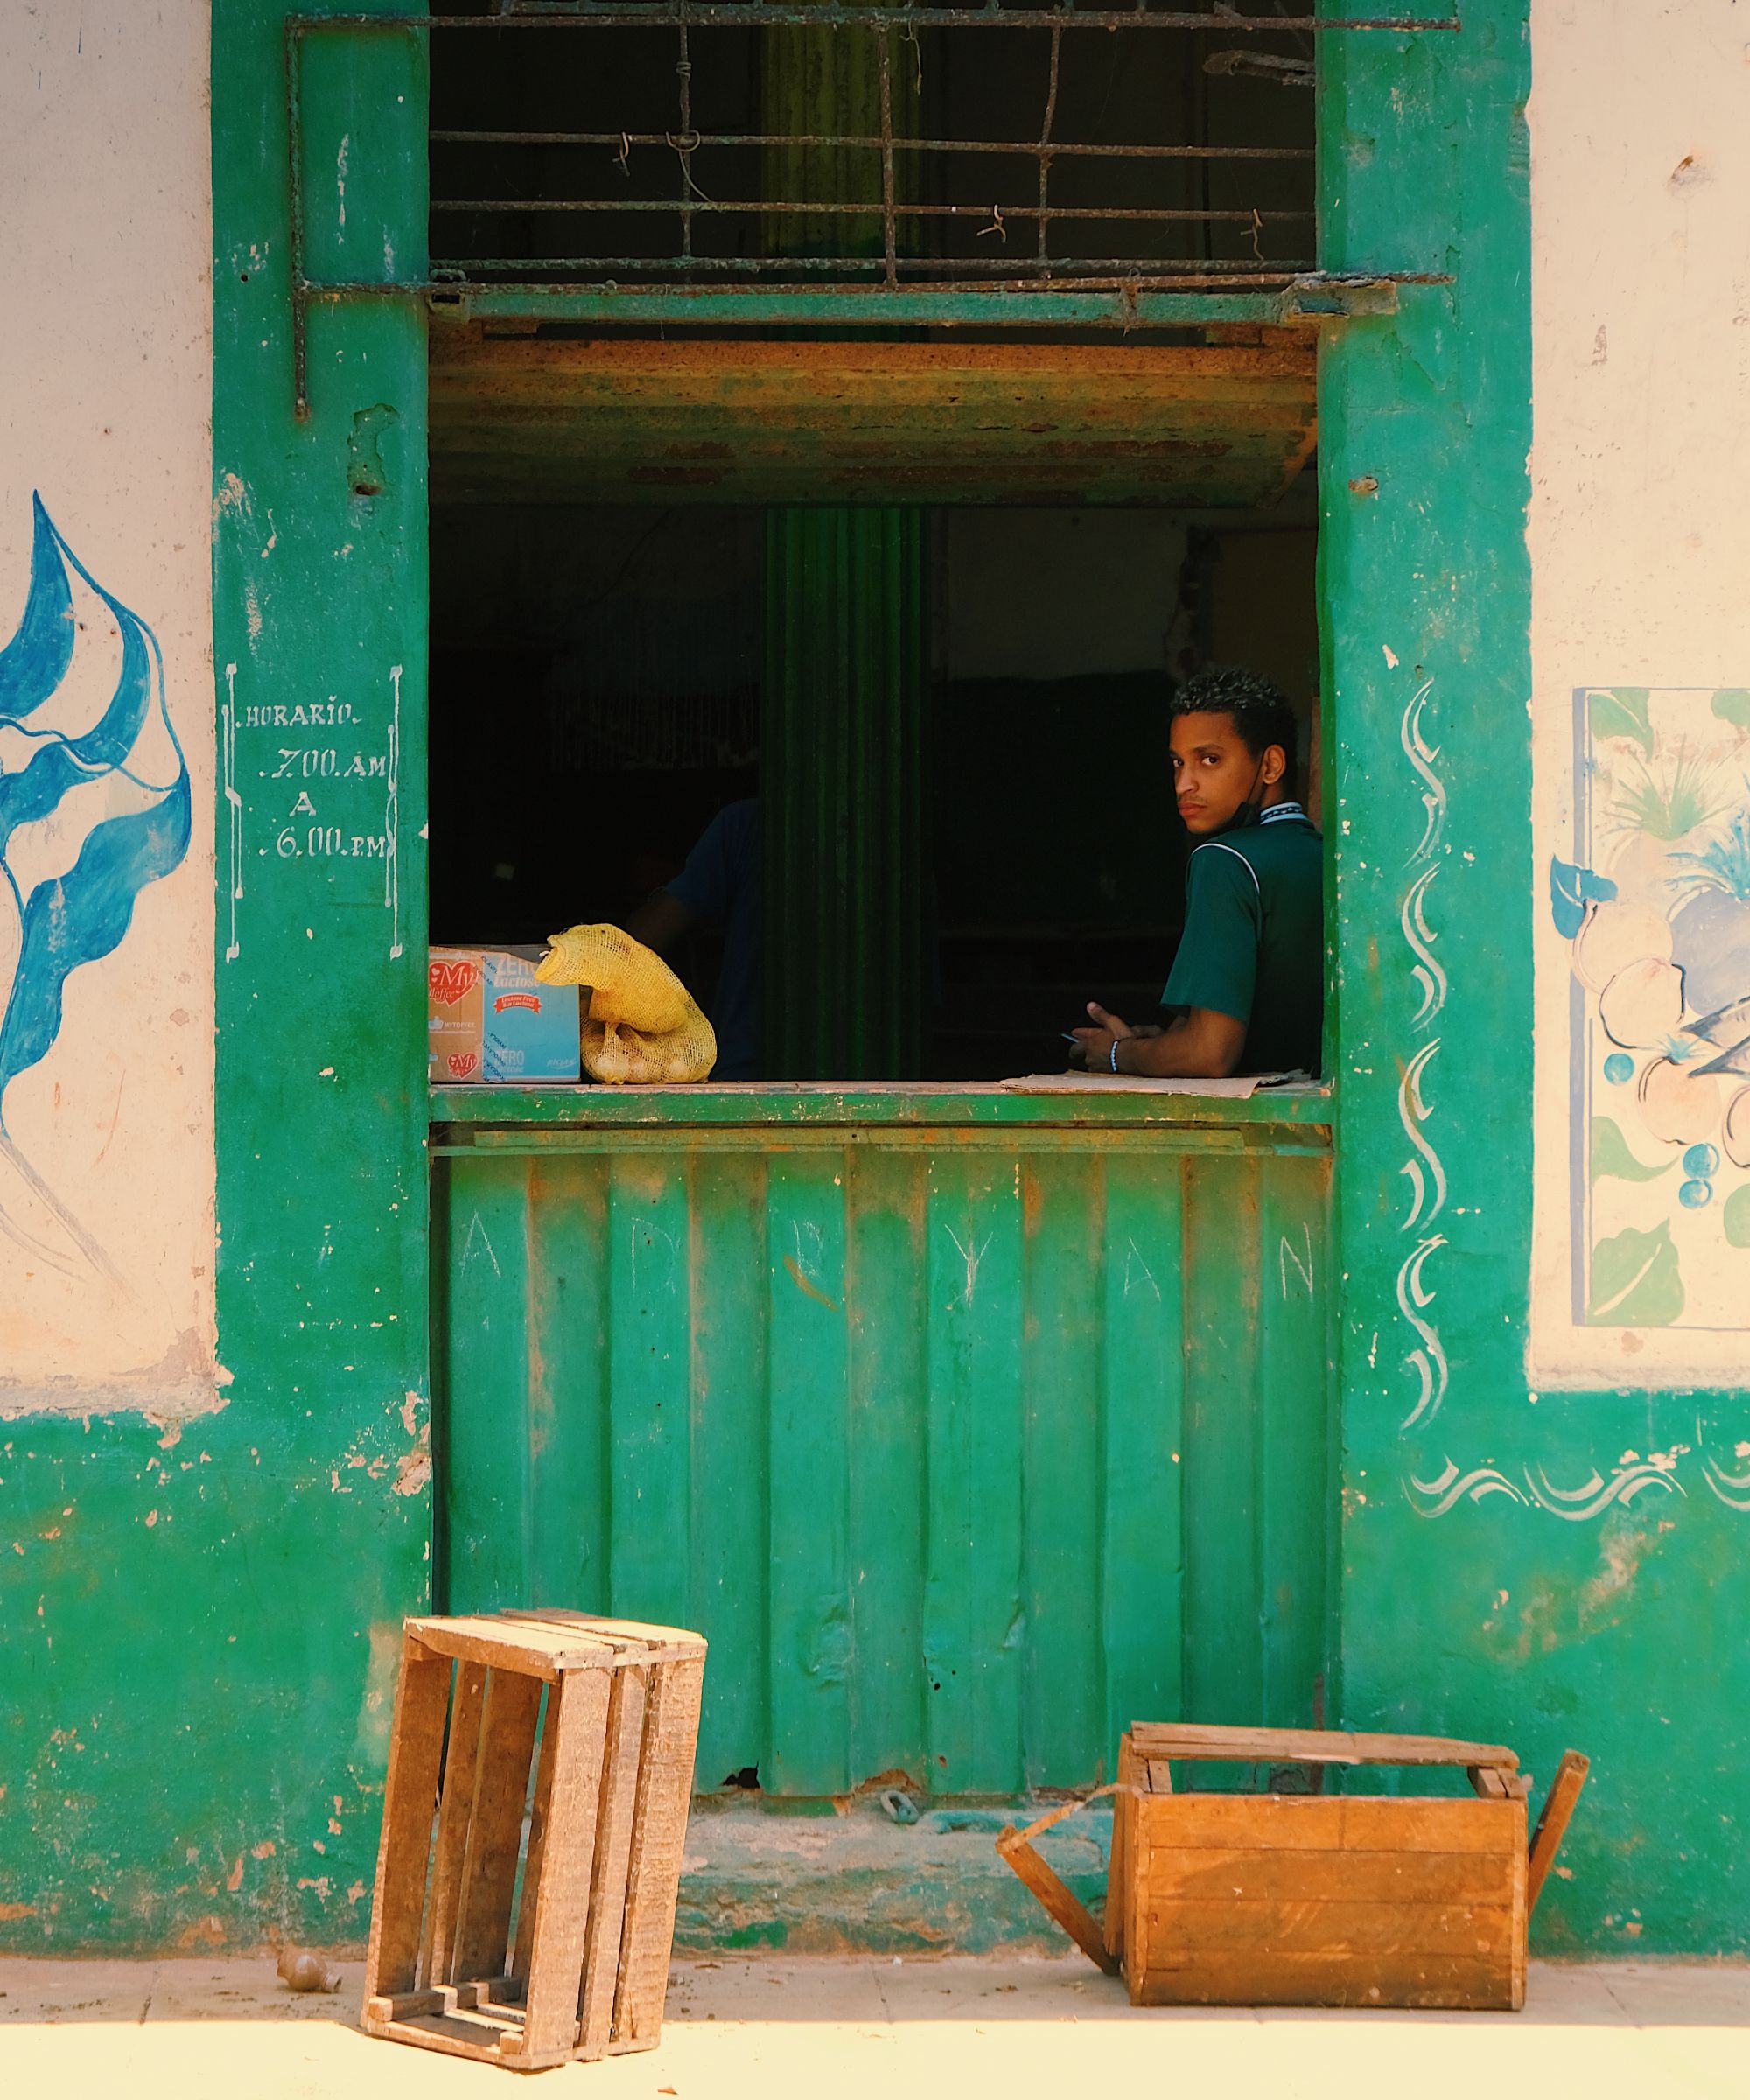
{"x":540,"y":1772}
{"x":1310,"y":1899}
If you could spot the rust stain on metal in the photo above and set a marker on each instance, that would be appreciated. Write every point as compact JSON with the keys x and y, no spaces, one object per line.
{"x":804,"y":1283}
{"x":1032,"y":1200}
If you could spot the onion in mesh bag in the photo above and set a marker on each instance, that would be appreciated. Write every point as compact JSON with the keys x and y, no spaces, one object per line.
{"x":641,"y":1025}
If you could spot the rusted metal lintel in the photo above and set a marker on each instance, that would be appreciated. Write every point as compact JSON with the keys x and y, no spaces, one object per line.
{"x":1118,"y":304}
{"x":1121,"y":303}
{"x":904,"y":15}
{"x":1110,"y":301}
{"x":823,"y":373}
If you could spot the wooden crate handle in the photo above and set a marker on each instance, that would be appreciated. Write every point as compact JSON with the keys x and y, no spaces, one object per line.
{"x":1552,"y":1823}
{"x":1060,"y":1904}
{"x":1191,"y":1741}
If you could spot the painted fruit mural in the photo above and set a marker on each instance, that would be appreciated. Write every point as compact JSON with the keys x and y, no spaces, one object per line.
{"x":1655,"y":905}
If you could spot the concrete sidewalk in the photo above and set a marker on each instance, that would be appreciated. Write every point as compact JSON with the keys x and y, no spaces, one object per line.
{"x":825,"y":2029}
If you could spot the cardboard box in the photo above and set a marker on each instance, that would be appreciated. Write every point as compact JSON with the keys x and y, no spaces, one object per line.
{"x":452,"y":1008}
{"x":490,"y":1018}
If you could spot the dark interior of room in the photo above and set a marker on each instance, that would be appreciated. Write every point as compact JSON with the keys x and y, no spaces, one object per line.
{"x":596,"y":684}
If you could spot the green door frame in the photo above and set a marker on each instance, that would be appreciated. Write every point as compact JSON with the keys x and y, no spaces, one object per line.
{"x":320,"y":600}
{"x":319,"y":630}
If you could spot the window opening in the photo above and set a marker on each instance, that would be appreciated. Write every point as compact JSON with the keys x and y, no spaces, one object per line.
{"x":631,"y":650}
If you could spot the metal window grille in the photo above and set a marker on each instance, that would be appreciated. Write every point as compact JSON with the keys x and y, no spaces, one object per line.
{"x":765,"y":142}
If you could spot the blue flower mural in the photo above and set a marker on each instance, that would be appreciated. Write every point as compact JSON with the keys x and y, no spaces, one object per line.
{"x":63,"y":921}
{"x":1657,"y":905}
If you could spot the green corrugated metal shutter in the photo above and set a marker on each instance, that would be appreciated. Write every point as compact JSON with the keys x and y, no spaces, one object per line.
{"x":964,"y":1447}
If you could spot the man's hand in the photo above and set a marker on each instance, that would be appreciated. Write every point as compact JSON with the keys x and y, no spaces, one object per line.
{"x":1095,"y":1044}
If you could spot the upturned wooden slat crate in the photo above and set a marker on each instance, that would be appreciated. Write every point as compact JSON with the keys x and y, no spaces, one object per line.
{"x":529,"y":1921}
{"x":1312,"y":1898}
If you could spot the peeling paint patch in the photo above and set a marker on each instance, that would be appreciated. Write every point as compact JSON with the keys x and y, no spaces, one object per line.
{"x":231,"y":496}
{"x":413,"y":1475}
{"x":1621,"y":1555}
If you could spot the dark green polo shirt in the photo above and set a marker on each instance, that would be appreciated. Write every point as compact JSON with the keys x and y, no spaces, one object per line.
{"x":1254,"y":940}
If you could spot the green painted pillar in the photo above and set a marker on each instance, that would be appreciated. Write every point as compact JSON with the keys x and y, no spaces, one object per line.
{"x":842,"y":758}
{"x":841,"y":768}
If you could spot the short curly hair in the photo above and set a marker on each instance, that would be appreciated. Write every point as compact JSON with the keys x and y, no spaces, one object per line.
{"x":1261,"y":715}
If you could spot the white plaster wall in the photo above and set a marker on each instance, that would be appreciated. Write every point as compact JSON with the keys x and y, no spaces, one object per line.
{"x":105,"y":389}
{"x":1640,"y":537}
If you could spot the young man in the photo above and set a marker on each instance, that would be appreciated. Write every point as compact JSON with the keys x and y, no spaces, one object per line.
{"x":1248,"y":983}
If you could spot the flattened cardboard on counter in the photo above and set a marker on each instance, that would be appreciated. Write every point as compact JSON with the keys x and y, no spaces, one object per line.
{"x":490,"y":1018}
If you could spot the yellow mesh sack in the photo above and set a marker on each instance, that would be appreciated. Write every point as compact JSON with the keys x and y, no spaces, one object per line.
{"x":641,"y":1025}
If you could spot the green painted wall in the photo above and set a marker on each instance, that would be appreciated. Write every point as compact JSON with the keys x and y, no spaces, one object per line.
{"x":1482,"y":1591}
{"x":194,"y":1694}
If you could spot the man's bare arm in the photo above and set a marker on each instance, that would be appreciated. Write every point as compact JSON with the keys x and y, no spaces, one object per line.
{"x":660,"y":921}
{"x":1201,"y":1044}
